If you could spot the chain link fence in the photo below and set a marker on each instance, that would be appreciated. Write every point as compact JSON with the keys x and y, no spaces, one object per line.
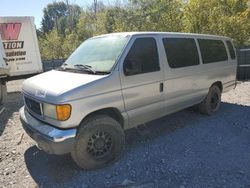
{"x":243,"y":71}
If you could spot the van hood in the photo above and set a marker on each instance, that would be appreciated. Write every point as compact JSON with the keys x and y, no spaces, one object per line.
{"x":48,"y":86}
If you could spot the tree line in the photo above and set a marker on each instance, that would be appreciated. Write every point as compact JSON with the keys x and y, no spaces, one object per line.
{"x":65,"y":25}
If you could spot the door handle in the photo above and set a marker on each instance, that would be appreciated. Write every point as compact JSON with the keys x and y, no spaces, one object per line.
{"x":161,"y":87}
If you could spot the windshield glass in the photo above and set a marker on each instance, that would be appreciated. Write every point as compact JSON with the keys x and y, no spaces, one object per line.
{"x":99,"y":54}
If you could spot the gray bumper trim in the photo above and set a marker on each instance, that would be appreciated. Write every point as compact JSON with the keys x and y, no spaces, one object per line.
{"x":48,"y":138}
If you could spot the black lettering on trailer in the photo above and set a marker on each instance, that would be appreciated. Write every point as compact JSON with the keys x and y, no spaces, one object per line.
{"x":13,"y":45}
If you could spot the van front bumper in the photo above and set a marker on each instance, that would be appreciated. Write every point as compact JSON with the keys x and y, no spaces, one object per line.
{"x":48,"y":138}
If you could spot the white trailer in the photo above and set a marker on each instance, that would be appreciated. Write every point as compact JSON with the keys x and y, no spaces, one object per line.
{"x":19,"y":50}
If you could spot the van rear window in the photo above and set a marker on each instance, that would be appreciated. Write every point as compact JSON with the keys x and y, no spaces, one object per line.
{"x":231,"y":49}
{"x":212,"y":50}
{"x":181,"y":52}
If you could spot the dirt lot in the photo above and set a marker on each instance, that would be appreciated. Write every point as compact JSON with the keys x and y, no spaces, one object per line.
{"x":185,"y":149}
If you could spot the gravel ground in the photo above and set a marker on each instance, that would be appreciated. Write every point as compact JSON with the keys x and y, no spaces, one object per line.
{"x":185,"y":149}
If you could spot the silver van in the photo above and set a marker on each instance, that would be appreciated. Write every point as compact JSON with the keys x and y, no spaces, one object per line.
{"x":118,"y":81}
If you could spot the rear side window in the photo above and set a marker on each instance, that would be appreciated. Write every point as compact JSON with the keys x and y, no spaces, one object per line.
{"x":142,"y":57}
{"x":231,"y":49}
{"x":181,"y":52}
{"x":212,"y":50}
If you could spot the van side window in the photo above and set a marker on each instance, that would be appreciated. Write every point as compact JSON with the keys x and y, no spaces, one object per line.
{"x":231,"y":49}
{"x":181,"y":52}
{"x":142,"y":57}
{"x":212,"y":50}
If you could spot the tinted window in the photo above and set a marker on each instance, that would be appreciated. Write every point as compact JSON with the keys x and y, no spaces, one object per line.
{"x":212,"y":50}
{"x":231,"y":49}
{"x":181,"y":52}
{"x":142,"y":57}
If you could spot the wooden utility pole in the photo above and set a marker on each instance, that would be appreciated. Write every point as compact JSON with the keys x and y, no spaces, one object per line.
{"x":95,"y":7}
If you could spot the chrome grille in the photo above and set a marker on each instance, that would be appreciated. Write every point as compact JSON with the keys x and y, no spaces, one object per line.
{"x":33,"y":105}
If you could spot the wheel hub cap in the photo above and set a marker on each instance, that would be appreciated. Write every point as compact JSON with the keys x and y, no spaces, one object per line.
{"x":99,"y":144}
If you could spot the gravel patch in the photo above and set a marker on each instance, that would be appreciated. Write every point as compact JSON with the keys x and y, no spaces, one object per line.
{"x":185,"y":149}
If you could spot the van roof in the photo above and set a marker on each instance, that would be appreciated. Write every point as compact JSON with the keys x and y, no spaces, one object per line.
{"x":166,"y":33}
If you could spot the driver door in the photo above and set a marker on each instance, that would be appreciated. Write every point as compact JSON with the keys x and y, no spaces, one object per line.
{"x":141,"y":80}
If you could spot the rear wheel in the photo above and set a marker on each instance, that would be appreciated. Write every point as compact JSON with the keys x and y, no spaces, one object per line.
{"x":99,"y":142}
{"x":211,"y":103}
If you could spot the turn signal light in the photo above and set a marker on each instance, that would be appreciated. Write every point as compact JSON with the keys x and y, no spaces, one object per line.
{"x":63,"y":112}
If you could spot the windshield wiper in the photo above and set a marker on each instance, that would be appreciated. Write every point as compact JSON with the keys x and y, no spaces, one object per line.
{"x":80,"y":67}
{"x":66,"y":68}
{"x":102,"y":72}
{"x":87,"y":68}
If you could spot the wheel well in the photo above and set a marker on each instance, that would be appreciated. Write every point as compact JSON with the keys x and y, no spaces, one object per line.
{"x":219,"y":84}
{"x":111,"y":112}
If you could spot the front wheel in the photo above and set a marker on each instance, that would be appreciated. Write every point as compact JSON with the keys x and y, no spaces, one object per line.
{"x":211,"y":103}
{"x":99,"y":142}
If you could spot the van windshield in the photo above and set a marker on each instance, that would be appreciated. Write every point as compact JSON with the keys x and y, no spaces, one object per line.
{"x":97,"y":54}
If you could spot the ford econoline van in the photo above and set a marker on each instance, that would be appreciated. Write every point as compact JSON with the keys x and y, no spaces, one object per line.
{"x":118,"y":81}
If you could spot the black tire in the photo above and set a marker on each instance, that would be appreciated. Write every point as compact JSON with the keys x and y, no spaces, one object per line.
{"x":211,"y":103}
{"x":100,"y":141}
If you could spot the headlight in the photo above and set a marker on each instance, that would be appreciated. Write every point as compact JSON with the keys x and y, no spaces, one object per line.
{"x":59,"y":112}
{"x":49,"y":110}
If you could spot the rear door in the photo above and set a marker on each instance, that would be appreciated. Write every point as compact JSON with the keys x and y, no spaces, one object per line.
{"x":182,"y":83}
{"x":141,"y":80}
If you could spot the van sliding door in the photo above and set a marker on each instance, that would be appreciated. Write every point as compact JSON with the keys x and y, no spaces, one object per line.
{"x":182,"y":80}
